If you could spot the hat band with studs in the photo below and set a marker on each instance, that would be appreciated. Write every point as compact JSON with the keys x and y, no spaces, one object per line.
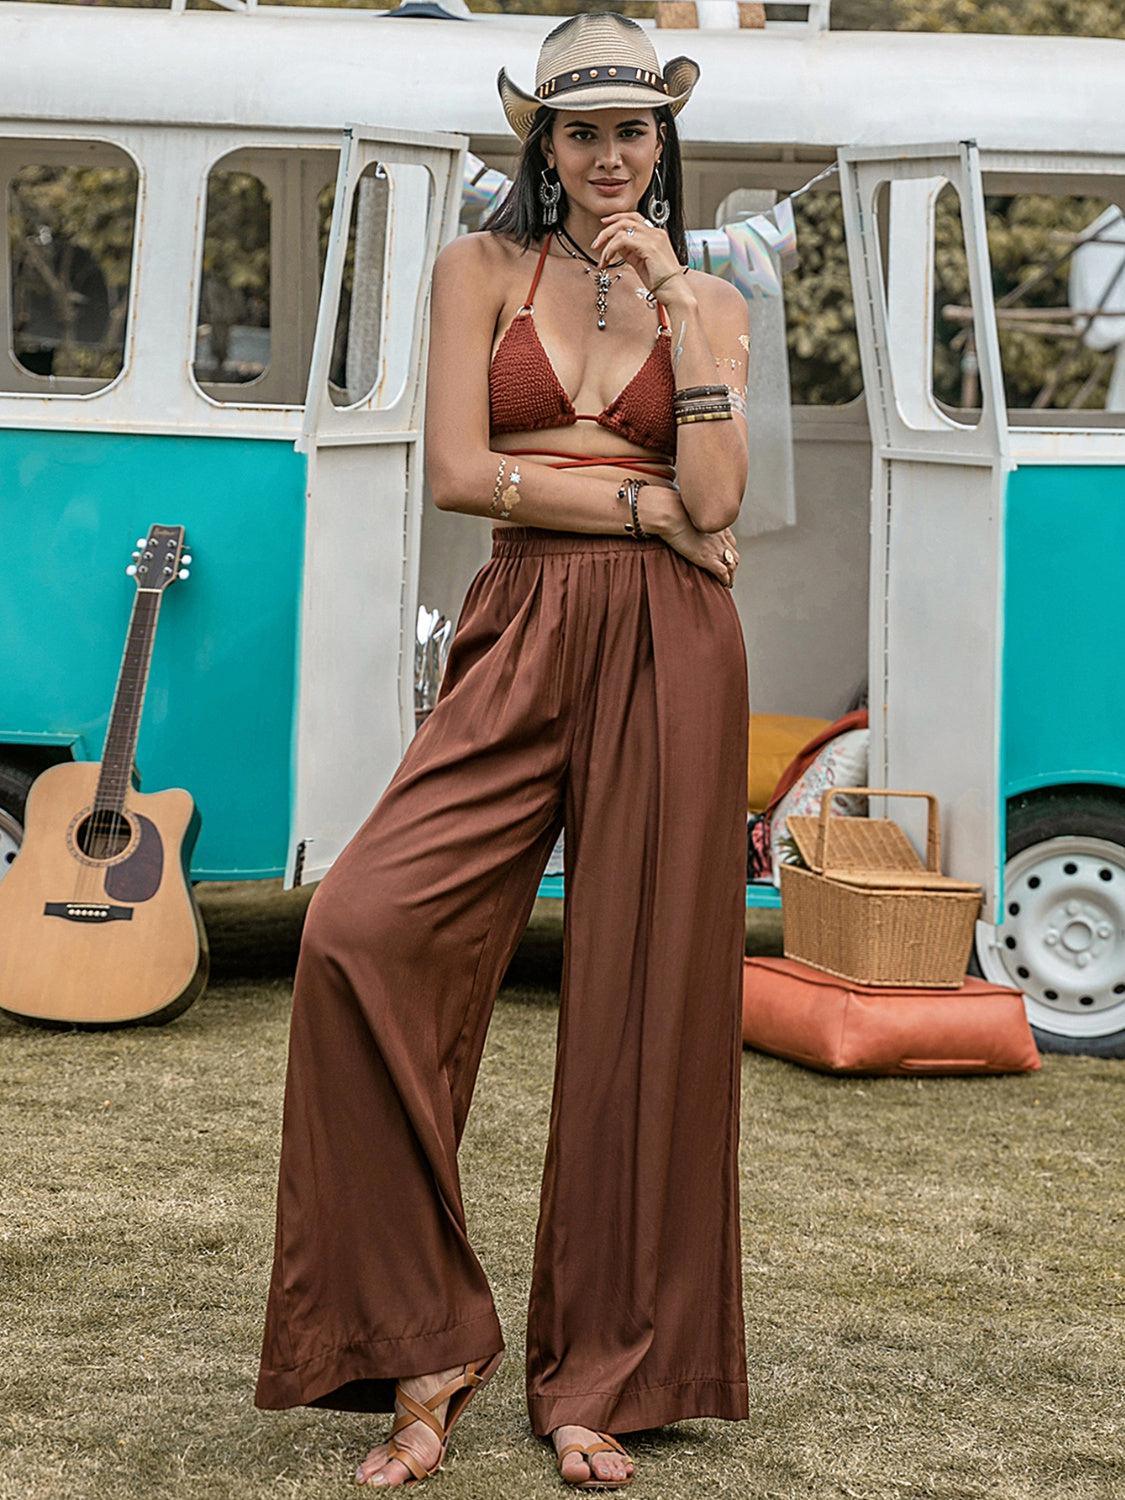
{"x":592,"y":77}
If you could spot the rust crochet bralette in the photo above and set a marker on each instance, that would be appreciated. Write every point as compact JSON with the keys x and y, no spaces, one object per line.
{"x":525,"y":394}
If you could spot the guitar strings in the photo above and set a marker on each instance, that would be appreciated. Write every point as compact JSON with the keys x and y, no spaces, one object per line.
{"x":89,"y":886}
{"x":112,"y":821}
{"x":91,"y":876}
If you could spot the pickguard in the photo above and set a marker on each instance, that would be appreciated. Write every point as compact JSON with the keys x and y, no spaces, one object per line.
{"x":138,"y":877}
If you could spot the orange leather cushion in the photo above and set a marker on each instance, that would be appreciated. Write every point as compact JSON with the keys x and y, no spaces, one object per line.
{"x":800,"y":1013}
{"x":774,"y":740}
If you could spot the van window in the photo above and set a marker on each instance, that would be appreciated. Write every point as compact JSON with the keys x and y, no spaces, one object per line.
{"x":918,"y":241}
{"x":1058,"y":276}
{"x":1058,"y":265}
{"x":381,"y":283}
{"x":269,"y":213}
{"x":72,"y":212}
{"x":824,"y":363}
{"x":232,"y":337}
{"x":259,"y":274}
{"x":954,"y":366}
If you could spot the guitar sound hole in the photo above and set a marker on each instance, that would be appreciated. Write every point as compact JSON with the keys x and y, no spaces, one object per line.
{"x":103,"y":834}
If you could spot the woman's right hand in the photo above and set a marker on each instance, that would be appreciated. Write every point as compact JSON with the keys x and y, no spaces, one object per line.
{"x":661,"y":510}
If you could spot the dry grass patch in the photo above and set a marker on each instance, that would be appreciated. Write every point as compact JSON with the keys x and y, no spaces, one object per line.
{"x":933,"y":1267}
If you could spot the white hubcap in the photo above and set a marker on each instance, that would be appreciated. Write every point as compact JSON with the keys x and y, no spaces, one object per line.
{"x":1062,"y":940}
{"x":11,"y":836}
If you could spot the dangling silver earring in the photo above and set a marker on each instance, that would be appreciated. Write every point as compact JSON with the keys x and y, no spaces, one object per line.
{"x":659,"y":209}
{"x":549,"y":195}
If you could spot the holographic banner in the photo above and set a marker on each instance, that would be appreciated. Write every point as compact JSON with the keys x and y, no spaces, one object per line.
{"x":752,"y":252}
{"x":709,"y":250}
{"x":484,"y":187}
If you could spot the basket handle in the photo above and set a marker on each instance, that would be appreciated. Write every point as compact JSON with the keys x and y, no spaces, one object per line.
{"x":933,"y":832}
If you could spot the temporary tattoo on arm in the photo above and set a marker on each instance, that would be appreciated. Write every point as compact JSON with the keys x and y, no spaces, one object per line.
{"x":679,"y":349}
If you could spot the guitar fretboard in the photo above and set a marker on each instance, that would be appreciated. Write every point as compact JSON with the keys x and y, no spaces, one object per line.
{"x":128,"y":700}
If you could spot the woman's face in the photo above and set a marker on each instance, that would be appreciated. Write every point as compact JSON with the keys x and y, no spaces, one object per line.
{"x":604,"y":157}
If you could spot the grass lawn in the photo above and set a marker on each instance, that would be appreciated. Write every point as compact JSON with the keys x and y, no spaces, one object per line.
{"x":934,"y":1268}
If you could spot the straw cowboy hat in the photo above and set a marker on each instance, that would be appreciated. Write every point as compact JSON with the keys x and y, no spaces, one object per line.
{"x":597,"y":60}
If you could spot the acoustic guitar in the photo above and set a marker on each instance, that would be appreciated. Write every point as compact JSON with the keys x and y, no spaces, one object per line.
{"x":98,"y":920}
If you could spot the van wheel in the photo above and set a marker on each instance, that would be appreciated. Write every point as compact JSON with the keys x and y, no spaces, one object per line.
{"x":15,"y":783}
{"x":1062,"y":940}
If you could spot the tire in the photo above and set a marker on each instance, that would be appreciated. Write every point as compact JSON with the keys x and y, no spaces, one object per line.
{"x":15,"y":783}
{"x":1062,"y":939}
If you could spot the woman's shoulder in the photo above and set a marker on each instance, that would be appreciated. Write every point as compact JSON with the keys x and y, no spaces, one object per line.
{"x":723,"y":309}
{"x":477,"y":253}
{"x":720,"y":294}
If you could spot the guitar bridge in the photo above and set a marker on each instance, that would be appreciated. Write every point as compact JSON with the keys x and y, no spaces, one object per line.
{"x":87,"y":911}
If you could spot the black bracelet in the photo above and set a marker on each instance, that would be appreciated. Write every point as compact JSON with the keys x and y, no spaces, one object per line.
{"x":623,"y":493}
{"x":686,"y":392}
{"x":628,"y":491}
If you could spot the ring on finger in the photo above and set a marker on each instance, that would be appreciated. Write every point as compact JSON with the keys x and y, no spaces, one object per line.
{"x":728,"y":556}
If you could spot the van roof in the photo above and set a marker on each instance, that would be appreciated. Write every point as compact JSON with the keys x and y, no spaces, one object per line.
{"x":757,"y":89}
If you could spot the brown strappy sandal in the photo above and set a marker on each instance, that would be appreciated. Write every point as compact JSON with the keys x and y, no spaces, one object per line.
{"x":459,"y":1391}
{"x":586,"y":1449}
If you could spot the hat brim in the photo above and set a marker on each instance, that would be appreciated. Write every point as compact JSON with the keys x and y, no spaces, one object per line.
{"x":681,"y":74}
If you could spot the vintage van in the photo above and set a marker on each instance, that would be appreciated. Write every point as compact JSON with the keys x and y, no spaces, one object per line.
{"x":966,"y":562}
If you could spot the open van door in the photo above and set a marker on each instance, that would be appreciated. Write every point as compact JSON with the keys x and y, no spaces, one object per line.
{"x":397,"y":201}
{"x":937,"y":496}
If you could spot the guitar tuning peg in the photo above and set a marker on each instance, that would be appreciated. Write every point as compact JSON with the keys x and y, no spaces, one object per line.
{"x":183,"y":573}
{"x":131,"y":569}
{"x":141,"y":541}
{"x":136,"y":554}
{"x":186,"y":559}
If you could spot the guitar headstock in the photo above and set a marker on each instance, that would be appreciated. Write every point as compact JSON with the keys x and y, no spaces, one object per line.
{"x":160,"y":559}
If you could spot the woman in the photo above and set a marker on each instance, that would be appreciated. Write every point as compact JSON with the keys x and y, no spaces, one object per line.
{"x":597,"y":682}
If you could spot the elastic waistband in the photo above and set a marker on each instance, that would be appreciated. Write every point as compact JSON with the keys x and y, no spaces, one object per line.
{"x":531,"y":540}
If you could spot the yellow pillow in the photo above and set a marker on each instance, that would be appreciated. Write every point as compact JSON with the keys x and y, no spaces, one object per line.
{"x":774,"y":741}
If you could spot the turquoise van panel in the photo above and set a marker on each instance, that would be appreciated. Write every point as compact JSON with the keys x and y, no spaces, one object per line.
{"x":218,"y":712}
{"x":1063,"y":712}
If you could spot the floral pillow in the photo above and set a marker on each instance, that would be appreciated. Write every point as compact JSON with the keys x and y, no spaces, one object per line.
{"x":842,"y":762}
{"x":758,"y":865}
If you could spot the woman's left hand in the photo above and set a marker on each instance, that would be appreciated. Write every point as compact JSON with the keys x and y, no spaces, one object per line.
{"x":642,"y":245}
{"x":716,"y":552}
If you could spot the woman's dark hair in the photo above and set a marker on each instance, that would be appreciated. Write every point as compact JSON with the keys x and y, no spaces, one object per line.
{"x":520,"y":215}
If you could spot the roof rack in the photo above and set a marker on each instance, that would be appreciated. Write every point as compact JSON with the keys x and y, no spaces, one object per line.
{"x":710,"y":15}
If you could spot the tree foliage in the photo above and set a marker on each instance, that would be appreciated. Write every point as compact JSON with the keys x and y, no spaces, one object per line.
{"x":820,"y":318}
{"x":70,"y":236}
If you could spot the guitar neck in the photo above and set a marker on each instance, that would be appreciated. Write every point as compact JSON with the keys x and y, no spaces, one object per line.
{"x":128,"y":699}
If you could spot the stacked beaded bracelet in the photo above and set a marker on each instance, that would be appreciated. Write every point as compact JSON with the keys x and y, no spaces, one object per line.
{"x":702,"y":403}
{"x":627,"y":492}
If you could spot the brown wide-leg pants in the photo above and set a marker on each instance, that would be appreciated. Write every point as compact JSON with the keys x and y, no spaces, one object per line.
{"x":599,"y":684}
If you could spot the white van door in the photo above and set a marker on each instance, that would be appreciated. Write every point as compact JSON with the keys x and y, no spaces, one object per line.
{"x":937,"y":497}
{"x":397,"y":201}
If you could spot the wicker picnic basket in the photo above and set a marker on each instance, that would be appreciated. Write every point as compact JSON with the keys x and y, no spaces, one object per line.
{"x":867,"y":909}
